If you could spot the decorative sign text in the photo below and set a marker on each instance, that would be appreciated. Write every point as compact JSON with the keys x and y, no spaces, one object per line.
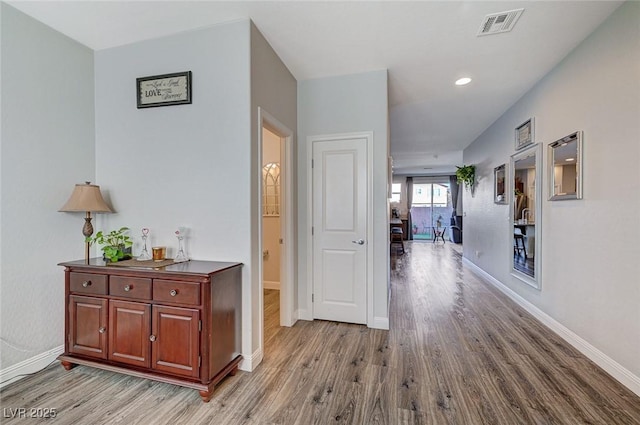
{"x":164,"y":90}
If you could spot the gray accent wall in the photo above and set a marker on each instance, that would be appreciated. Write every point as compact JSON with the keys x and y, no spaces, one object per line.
{"x":590,"y":250}
{"x":274,"y":89}
{"x":47,"y":146}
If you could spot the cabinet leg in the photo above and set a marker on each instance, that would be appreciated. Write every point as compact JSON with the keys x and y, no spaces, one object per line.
{"x":67,"y":365}
{"x":234,"y":371}
{"x":206,"y":395}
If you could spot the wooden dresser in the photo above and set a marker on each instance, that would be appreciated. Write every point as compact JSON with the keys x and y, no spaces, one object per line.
{"x":178,"y":324}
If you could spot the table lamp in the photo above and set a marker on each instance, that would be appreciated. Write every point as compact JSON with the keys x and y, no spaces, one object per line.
{"x":86,"y":198}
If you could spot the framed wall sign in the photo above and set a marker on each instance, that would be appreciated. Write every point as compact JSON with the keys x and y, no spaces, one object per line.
{"x":164,"y":90}
{"x":524,"y":134}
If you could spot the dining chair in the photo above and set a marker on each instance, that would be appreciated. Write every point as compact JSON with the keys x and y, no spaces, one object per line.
{"x":518,"y":242}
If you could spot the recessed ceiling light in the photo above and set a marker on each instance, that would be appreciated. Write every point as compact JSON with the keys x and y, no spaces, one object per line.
{"x":463,"y":81}
{"x":571,"y":159}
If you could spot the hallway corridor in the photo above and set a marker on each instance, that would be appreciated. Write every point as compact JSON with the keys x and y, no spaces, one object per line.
{"x":476,"y":357}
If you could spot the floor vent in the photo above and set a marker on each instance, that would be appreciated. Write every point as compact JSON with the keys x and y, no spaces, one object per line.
{"x":499,"y":22}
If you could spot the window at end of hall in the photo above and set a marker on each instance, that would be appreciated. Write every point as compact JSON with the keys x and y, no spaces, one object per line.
{"x":396,"y":189}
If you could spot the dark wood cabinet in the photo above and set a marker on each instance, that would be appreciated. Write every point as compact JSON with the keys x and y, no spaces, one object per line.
{"x":178,"y":324}
{"x":175,"y":340}
{"x":129,"y":331}
{"x":87,"y":326}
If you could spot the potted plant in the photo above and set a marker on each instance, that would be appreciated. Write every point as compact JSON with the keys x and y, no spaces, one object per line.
{"x":467,"y":175}
{"x":116,"y":244}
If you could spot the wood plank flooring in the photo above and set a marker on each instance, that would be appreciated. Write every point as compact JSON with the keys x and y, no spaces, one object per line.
{"x":458,"y":352}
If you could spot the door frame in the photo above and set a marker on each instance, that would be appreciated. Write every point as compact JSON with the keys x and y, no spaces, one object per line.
{"x":368,"y":136}
{"x":287,"y":276}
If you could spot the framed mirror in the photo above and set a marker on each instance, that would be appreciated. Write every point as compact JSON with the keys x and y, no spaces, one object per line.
{"x":500,"y":195}
{"x":526,"y":213}
{"x":565,"y":168}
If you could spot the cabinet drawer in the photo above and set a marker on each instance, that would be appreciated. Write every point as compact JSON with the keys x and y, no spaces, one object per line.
{"x":173,"y":291}
{"x":88,"y":283}
{"x":130,"y":287}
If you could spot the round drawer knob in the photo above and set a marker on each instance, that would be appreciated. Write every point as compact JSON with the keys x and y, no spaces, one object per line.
{"x":102,"y":330}
{"x":173,"y":293}
{"x":127,"y":288}
{"x":86,"y":283}
{"x":152,"y":338}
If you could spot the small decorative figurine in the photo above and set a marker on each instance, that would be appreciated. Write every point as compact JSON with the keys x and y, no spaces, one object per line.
{"x":180,"y":255}
{"x":144,"y":255}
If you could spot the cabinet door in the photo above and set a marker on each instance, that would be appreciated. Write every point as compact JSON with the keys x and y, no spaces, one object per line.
{"x":129,"y":332}
{"x":88,"y":326}
{"x":176,"y":340}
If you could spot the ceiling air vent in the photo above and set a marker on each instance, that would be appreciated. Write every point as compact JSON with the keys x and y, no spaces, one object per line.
{"x":499,"y":22}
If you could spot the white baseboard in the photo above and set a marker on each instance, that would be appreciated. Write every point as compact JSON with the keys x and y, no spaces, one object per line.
{"x":250,"y":362}
{"x":380,"y":323}
{"x":268,"y":284}
{"x":613,"y":368}
{"x":304,"y":314}
{"x":293,"y":320}
{"x":29,"y":366}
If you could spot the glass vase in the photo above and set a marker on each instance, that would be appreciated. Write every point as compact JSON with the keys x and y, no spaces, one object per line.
{"x":180,"y":255}
{"x":144,"y":255}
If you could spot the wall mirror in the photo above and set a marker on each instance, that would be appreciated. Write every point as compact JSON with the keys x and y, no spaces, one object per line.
{"x":526,"y":212}
{"x":271,"y":189}
{"x":565,"y":168}
{"x":500,"y":184}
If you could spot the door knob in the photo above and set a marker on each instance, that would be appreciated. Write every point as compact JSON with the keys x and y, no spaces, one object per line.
{"x":359,"y":241}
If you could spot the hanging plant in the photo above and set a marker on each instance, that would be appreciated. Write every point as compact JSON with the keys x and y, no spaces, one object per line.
{"x":467,"y":175}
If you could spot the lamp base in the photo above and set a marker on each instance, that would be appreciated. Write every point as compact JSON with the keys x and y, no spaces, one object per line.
{"x":87,"y":230}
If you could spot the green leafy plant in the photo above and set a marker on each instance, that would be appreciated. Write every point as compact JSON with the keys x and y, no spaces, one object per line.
{"x":466,"y":175}
{"x":115,"y":243}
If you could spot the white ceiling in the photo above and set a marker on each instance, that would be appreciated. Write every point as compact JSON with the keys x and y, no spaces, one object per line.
{"x":425,"y":46}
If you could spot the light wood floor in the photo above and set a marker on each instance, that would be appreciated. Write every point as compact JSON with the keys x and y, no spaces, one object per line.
{"x":458,"y":352}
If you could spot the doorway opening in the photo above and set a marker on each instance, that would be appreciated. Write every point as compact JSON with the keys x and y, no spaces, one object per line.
{"x":431,"y":208}
{"x":271,"y":225}
{"x":276,"y":229}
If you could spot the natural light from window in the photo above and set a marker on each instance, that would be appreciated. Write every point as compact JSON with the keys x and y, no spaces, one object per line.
{"x":396,"y":190}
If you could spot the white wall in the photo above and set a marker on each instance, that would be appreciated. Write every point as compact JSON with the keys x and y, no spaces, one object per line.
{"x":590,"y":247}
{"x":194,"y":165}
{"x":47,"y":146}
{"x":185,"y":165}
{"x":347,"y":104}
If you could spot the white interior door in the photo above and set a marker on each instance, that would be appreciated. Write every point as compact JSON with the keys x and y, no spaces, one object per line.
{"x":340,"y":230}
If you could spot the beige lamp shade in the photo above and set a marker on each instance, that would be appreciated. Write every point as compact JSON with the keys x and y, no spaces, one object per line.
{"x":86,"y":197}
